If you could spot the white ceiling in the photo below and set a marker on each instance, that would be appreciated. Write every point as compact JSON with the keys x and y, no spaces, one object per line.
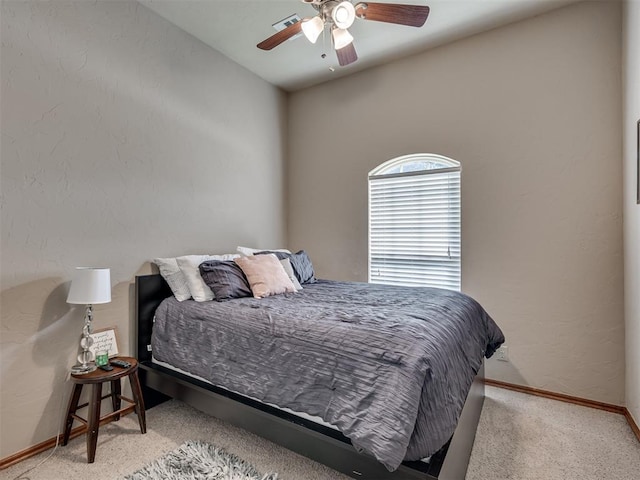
{"x":235,"y":27}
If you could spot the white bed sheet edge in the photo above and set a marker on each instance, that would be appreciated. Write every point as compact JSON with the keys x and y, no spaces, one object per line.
{"x":306,"y":416}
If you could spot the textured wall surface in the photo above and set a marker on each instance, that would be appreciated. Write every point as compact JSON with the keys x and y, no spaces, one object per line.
{"x":123,"y":139}
{"x":631,"y":207}
{"x":533,"y":112}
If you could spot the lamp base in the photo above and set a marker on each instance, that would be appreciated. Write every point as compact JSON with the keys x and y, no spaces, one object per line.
{"x":82,"y":369}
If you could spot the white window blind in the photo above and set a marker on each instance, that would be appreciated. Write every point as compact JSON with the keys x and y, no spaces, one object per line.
{"x":414,"y":223}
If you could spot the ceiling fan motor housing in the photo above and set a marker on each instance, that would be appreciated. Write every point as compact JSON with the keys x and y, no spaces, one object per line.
{"x":340,"y":12}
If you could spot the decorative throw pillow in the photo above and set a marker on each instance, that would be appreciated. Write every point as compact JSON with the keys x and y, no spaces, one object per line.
{"x":301,"y":263}
{"x":247,"y":251}
{"x":172,"y":274}
{"x":189,"y":267}
{"x":225,"y":279}
{"x":286,"y":264}
{"x":303,"y":267}
{"x":266,"y":275}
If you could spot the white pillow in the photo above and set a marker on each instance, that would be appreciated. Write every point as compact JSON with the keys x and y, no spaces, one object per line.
{"x":247,"y":252}
{"x":189,"y":264}
{"x":172,"y":274}
{"x":286,"y":264}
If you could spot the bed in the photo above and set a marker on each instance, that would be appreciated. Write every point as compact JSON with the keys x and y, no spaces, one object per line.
{"x":344,"y":441}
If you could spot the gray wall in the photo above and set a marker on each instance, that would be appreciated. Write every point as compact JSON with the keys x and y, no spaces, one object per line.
{"x":123,"y":138}
{"x":631,"y":208}
{"x":533,"y":113}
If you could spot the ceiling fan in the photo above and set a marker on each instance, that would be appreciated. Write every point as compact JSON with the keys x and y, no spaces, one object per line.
{"x":339,"y":15}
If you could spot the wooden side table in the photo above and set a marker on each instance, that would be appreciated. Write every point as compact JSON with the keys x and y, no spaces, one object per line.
{"x":94,"y":420}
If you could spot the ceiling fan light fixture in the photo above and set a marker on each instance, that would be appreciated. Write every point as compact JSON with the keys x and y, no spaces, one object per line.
{"x":312,"y":28}
{"x":343,"y":15}
{"x":341,"y":38}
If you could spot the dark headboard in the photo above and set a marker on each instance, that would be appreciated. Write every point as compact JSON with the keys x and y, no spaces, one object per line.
{"x":151,"y":290}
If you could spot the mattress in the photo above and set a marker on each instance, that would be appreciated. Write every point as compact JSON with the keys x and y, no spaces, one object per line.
{"x":390,"y":367}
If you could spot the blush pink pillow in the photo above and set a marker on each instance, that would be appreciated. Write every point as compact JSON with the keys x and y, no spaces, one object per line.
{"x":266,"y":275}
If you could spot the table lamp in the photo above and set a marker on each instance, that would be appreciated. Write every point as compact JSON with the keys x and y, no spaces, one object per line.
{"x":90,"y":286}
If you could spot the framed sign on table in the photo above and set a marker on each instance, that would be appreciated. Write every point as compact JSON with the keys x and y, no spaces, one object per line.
{"x":105,"y":339}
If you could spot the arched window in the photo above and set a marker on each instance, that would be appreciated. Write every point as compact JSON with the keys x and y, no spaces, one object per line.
{"x":414,"y":222}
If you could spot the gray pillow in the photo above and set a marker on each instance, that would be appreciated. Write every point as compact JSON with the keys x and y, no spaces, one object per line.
{"x":301,"y":263}
{"x":225,"y":279}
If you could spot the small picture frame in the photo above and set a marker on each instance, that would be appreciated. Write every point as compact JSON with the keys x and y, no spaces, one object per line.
{"x":105,"y":339}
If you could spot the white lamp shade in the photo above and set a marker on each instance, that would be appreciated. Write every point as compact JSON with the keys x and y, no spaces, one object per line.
{"x":341,"y":38}
{"x":343,"y":15}
{"x":312,"y":28}
{"x":90,"y":286}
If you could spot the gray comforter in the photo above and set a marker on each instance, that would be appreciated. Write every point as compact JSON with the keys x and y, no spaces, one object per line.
{"x":389,"y":366}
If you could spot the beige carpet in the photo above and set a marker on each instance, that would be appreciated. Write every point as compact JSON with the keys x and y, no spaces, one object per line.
{"x":519,"y":437}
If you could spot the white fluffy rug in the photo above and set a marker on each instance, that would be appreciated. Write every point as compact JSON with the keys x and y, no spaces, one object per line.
{"x":195,"y":460}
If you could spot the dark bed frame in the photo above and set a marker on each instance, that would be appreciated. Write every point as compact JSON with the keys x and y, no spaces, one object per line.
{"x":320,"y":443}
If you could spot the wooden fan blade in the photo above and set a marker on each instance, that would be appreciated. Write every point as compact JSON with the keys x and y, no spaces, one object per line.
{"x":347,"y":55}
{"x":281,"y":36}
{"x":411,"y":15}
